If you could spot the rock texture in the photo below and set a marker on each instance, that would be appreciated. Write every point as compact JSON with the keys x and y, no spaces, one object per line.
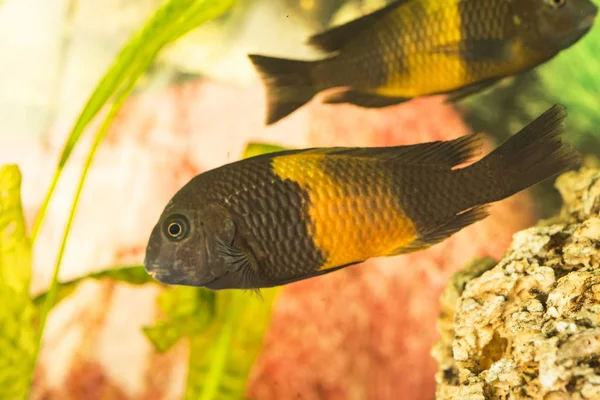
{"x":529,"y":327}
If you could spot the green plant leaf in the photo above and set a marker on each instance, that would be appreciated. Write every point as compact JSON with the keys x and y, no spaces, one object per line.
{"x":189,"y":311}
{"x":220,"y":361}
{"x":134,"y":275}
{"x":257,"y":148}
{"x":172,"y":20}
{"x":17,"y":334}
{"x":225,"y":329}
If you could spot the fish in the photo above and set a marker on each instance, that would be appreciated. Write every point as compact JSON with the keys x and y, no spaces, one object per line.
{"x":283,"y":217}
{"x":420,"y":48}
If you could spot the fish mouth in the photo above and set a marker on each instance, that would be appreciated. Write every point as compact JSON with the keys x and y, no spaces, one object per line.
{"x":581,"y":30}
{"x":587,"y":23}
{"x":163,"y":275}
{"x":157,"y":272}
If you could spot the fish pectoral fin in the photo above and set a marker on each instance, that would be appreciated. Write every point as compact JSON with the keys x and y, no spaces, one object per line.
{"x":477,"y":49}
{"x":446,"y":229}
{"x":365,"y":100}
{"x":466,"y":91}
{"x":241,"y":263}
{"x":334,"y":38}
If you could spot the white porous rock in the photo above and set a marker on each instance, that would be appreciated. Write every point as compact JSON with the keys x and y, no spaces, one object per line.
{"x":528,"y":327}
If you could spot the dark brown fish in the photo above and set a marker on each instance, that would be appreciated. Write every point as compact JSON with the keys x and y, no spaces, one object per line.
{"x":287,"y":216}
{"x":414,"y":48}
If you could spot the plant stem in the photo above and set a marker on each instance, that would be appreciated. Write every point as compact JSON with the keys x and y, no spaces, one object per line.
{"x":50,"y":298}
{"x":220,"y":355}
{"x":164,"y":27}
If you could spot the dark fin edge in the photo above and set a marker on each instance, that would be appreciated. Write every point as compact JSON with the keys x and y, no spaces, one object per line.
{"x":334,"y":38}
{"x":310,"y":275}
{"x":447,"y":153}
{"x":445,"y":229}
{"x":532,"y":155}
{"x":459,"y":94}
{"x":368,"y":100}
{"x":288,"y":84}
{"x":365,"y":100}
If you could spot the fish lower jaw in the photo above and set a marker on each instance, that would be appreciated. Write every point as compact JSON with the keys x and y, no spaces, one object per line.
{"x":587,"y":23}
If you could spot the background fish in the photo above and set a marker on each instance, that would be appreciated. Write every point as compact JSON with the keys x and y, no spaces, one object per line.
{"x":282,"y":217}
{"x":414,"y":48}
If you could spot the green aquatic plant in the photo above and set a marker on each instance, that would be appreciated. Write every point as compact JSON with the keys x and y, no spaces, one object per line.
{"x":258,"y":148}
{"x":573,"y":79}
{"x":172,"y":20}
{"x":225,"y":329}
{"x":17,"y":311}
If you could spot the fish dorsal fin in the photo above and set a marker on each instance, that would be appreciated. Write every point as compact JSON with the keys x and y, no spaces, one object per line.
{"x":333,"y":39}
{"x":443,"y":153}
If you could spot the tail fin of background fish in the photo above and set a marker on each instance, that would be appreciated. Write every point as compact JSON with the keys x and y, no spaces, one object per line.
{"x":288,"y":84}
{"x":533,"y":155}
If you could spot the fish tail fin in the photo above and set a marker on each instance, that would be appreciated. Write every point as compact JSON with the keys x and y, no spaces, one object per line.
{"x":288,"y":84}
{"x":532,"y":155}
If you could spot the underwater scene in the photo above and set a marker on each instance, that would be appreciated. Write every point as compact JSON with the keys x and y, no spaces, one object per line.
{"x":299,"y":199}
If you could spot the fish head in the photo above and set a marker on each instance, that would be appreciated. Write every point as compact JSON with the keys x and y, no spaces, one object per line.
{"x":553,"y":25}
{"x":182,"y":248}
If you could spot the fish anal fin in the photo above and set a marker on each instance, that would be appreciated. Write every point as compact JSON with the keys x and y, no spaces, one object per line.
{"x":365,"y":100}
{"x":446,"y":154}
{"x":446,"y":229}
{"x":466,"y":91}
{"x":334,"y":38}
{"x":312,"y":274}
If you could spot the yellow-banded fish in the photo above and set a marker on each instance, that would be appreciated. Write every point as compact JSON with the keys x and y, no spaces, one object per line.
{"x":287,"y":216}
{"x":414,"y":48}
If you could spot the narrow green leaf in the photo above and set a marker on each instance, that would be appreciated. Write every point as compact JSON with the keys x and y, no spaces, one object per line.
{"x":164,"y":27}
{"x":188,"y":310}
{"x":221,"y":359}
{"x":172,"y":20}
{"x":134,"y":275}
{"x":225,"y":329}
{"x":17,"y":335}
{"x":257,"y":148}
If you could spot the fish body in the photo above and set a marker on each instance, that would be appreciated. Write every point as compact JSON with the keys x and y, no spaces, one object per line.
{"x":286,"y":216}
{"x":414,"y":48}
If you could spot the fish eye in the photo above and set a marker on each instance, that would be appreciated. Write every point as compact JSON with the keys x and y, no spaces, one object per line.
{"x":176,"y":227}
{"x":555,"y":3}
